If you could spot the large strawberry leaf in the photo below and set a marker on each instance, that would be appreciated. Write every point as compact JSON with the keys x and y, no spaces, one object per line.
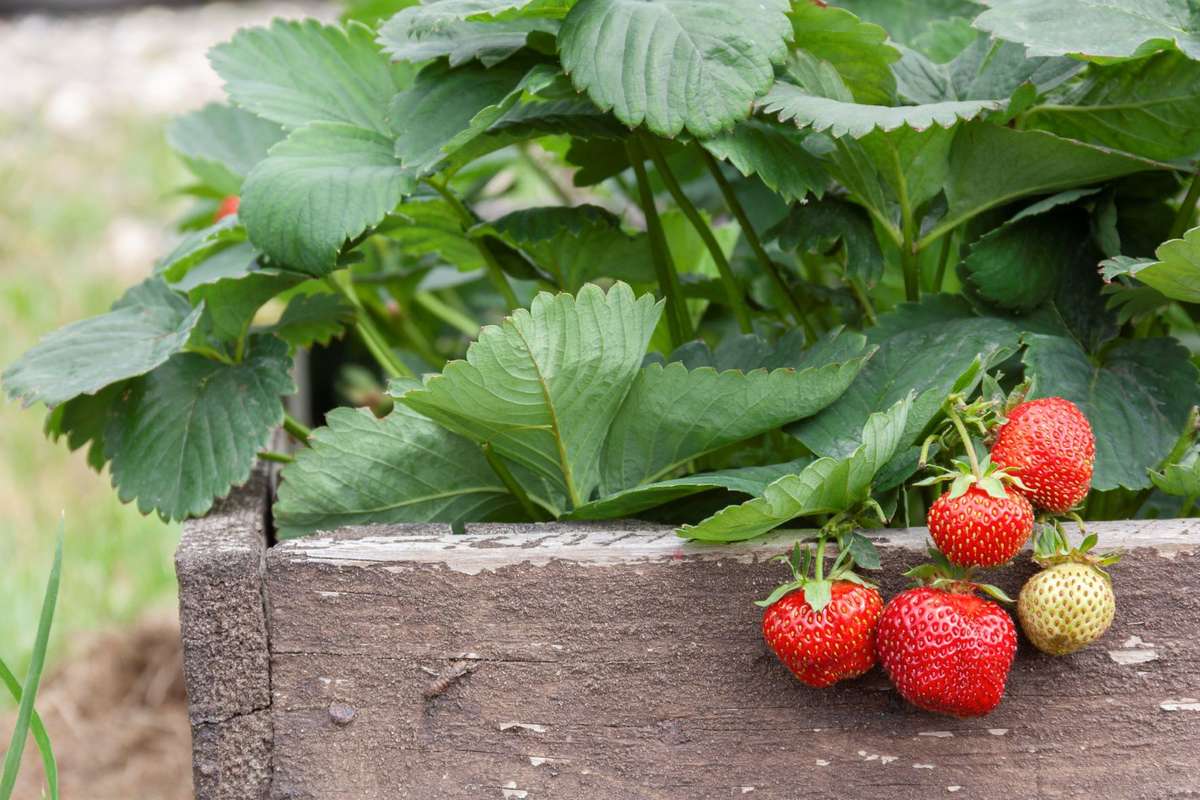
{"x":574,"y":245}
{"x":906,"y":20}
{"x":774,"y":151}
{"x":322,"y":185}
{"x":295,"y":73}
{"x":1136,"y":394}
{"x":221,"y":144}
{"x":190,"y":430}
{"x":1175,"y":271}
{"x":143,"y":329}
{"x":1095,"y":28}
{"x":675,"y":64}
{"x":826,"y":486}
{"x":402,"y":468}
{"x":1147,"y":107}
{"x":448,"y":28}
{"x":541,"y":389}
{"x":857,"y":50}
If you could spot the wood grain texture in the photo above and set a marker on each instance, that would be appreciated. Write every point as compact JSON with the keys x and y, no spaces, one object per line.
{"x":223,"y":625}
{"x":615,"y":661}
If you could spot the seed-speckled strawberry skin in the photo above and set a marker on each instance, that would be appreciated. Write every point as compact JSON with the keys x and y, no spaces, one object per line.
{"x":978,"y":530}
{"x":946,"y":652}
{"x":1066,"y":607}
{"x":822,"y":648}
{"x":1048,"y":443}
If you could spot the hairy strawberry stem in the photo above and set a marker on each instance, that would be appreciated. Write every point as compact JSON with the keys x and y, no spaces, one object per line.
{"x":966,"y":439}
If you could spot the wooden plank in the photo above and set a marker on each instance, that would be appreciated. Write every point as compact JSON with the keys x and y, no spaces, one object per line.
{"x":615,"y":661}
{"x":223,"y":625}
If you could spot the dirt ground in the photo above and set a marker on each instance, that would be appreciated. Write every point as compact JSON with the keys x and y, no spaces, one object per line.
{"x":117,"y":717}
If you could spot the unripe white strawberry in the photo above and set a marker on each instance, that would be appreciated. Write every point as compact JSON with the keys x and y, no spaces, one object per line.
{"x":1066,"y":606}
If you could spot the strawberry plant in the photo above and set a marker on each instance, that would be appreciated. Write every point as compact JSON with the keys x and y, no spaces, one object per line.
{"x":718,"y":264}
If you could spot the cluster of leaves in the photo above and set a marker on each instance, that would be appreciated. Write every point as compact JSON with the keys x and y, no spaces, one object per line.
{"x":759,"y":241}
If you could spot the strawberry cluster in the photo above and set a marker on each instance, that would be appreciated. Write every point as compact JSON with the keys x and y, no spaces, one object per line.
{"x":946,"y":648}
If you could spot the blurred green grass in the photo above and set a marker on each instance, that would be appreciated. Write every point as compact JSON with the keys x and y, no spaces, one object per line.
{"x":82,"y":216}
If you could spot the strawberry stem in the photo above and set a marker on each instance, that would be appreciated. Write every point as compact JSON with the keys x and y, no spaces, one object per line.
{"x":966,"y":439}
{"x":821,"y":558}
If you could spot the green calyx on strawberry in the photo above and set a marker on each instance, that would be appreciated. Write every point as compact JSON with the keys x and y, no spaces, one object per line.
{"x":946,"y":649}
{"x":822,"y":625}
{"x":978,"y":522}
{"x":1070,"y":603}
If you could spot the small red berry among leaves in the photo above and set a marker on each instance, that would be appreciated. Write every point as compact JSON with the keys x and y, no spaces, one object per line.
{"x":826,"y":646}
{"x":948,"y":652}
{"x":1048,"y":443}
{"x":228,"y":207}
{"x":979,"y":529}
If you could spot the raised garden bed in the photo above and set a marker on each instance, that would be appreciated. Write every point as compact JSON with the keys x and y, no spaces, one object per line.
{"x":616,"y":661}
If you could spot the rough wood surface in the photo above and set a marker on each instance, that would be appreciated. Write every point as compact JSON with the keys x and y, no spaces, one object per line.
{"x":223,"y":625}
{"x":613,"y":662}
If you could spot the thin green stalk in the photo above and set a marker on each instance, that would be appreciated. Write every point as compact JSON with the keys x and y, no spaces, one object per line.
{"x":864,"y":300}
{"x":299,"y":431}
{"x":820,"y":575}
{"x":492,"y":266}
{"x":1187,"y":210}
{"x":679,"y":324}
{"x":451,"y":316}
{"x":733,"y":291}
{"x":539,"y":169}
{"x":760,"y":252}
{"x":40,"y":737}
{"x":966,"y":440}
{"x":16,"y":746}
{"x":278,"y":458}
{"x":420,"y":342}
{"x":371,"y":336}
{"x":943,"y":257}
{"x":1189,"y":504}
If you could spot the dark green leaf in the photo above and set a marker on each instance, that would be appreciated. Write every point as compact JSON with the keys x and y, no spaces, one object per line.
{"x":822,"y":225}
{"x":313,"y":319}
{"x":863,"y":551}
{"x":857,"y":50}
{"x":774,"y":151}
{"x":231,"y":303}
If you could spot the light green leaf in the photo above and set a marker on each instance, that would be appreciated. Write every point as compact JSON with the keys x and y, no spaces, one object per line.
{"x":675,"y":64}
{"x":322,"y":185}
{"x":857,"y":50}
{"x":924,"y":348}
{"x":1035,"y":162}
{"x":543,"y":387}
{"x":433,"y":30}
{"x":313,"y":319}
{"x":746,"y":480}
{"x":295,"y":73}
{"x":907,"y":19}
{"x":1136,"y":394}
{"x":221,"y":144}
{"x":575,"y":245}
{"x":196,"y":246}
{"x":1175,"y":273}
{"x":361,"y":470}
{"x":826,"y":486}
{"x":142,"y":331}
{"x":672,"y":414}
{"x":775,"y":152}
{"x":1094,"y":28}
{"x":190,"y":430}
{"x":427,"y":225}
{"x":233,"y":261}
{"x":796,"y":105}
{"x":1147,"y":107}
{"x":1181,"y":479}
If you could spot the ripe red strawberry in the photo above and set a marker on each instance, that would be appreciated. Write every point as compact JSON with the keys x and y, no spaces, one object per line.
{"x":977,"y":529}
{"x":228,"y":207}
{"x":947,"y":651}
{"x":826,"y":646}
{"x":1048,"y":443}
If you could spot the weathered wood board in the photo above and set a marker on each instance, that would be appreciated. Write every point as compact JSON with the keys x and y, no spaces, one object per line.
{"x":612,"y":662}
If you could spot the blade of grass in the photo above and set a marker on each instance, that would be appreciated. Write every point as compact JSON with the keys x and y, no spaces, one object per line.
{"x":40,"y":737}
{"x":12,"y":759}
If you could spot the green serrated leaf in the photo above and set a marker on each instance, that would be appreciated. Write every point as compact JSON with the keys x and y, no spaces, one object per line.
{"x":775,"y":152}
{"x":820,"y":225}
{"x":404,"y":468}
{"x":143,"y":330}
{"x":221,"y":144}
{"x":863,"y":551}
{"x":675,"y":64}
{"x":538,"y":389}
{"x":457,"y":30}
{"x":907,"y":19}
{"x":313,"y":319}
{"x":199,"y":245}
{"x":189,"y":431}
{"x":1094,"y":28}
{"x":1175,"y":272}
{"x":231,"y":303}
{"x":322,"y":185}
{"x":857,"y":50}
{"x":1136,"y":396}
{"x":295,"y":73}
{"x":82,"y":420}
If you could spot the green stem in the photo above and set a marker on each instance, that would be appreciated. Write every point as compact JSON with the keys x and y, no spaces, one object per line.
{"x":764,"y":259}
{"x":966,"y":440}
{"x":679,"y":324}
{"x":908,"y":248}
{"x":1185,"y":510}
{"x":506,"y":477}
{"x":451,"y":316}
{"x":733,"y":291}
{"x":374,"y":340}
{"x":299,"y":431}
{"x":939,"y":277}
{"x":209,"y":352}
{"x":467,"y":219}
{"x":864,"y":300}
{"x":278,"y":458}
{"x":1183,"y":219}
{"x":539,"y":169}
{"x":820,"y":575}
